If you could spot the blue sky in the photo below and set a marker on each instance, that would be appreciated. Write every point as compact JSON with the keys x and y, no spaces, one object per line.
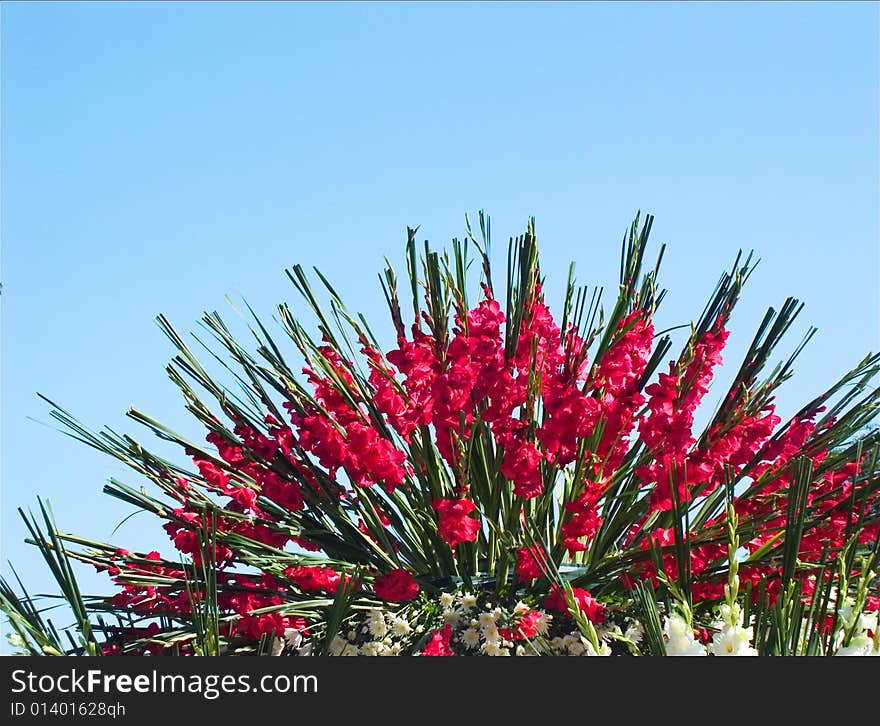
{"x":156,"y":157}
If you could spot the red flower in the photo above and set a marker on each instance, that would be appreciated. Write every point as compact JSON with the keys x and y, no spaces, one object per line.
{"x":213,"y":474}
{"x":585,"y":519}
{"x":525,"y":628}
{"x":591,"y":608}
{"x":314,"y":579}
{"x":529,"y":563}
{"x":522,"y":466}
{"x":396,"y":586}
{"x":439,"y":643}
{"x":287,"y":494}
{"x":455,"y":523}
{"x":246,"y":498}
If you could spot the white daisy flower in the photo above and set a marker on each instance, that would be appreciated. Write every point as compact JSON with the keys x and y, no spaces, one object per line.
{"x":487,"y":620}
{"x":470,"y":638}
{"x":452,"y":617}
{"x":337,"y":645}
{"x":400,"y":627}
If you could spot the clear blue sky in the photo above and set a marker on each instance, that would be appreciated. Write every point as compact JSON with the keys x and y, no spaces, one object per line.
{"x":156,"y":157}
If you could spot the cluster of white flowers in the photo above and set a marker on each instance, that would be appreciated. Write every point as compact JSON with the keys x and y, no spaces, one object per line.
{"x":481,"y":632}
{"x":575,"y":643}
{"x":732,"y":638}
{"x":865,"y":640}
{"x":381,"y":634}
{"x":478,"y":626}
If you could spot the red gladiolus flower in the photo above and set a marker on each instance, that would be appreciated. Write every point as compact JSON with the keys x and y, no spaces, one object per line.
{"x":213,"y":474}
{"x":591,"y":608}
{"x":440,"y":642}
{"x":455,"y":523}
{"x":396,"y":586}
{"x":521,"y":465}
{"x":287,"y":494}
{"x":314,"y":579}
{"x":529,"y":563}
{"x":525,"y":628}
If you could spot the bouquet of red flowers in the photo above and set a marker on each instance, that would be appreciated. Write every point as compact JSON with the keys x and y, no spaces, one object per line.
{"x":501,"y":482}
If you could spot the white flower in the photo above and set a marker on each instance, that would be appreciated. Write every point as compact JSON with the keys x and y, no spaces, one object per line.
{"x":487,"y":620}
{"x":846,"y":612}
{"x":376,"y":624}
{"x":521,"y":608}
{"x":470,"y":638}
{"x":452,"y":617}
{"x":493,"y":648}
{"x":468,"y":602}
{"x":542,"y":625}
{"x":604,"y":649}
{"x":400,"y":627}
{"x":731,"y":615}
{"x":634,"y":631}
{"x":446,"y":600}
{"x":292,"y":639}
{"x":676,"y":628}
{"x":372,"y":649}
{"x":491,"y":634}
{"x":684,"y":648}
{"x":349,"y":650}
{"x":859,"y":645}
{"x":733,"y":640}
{"x":378,"y":629}
{"x":680,"y":638}
{"x":337,"y":645}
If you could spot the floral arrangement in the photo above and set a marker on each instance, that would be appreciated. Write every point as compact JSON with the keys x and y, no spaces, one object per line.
{"x":502,"y":482}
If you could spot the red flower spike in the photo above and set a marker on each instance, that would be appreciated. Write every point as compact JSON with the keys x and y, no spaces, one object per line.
{"x":456,"y":525}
